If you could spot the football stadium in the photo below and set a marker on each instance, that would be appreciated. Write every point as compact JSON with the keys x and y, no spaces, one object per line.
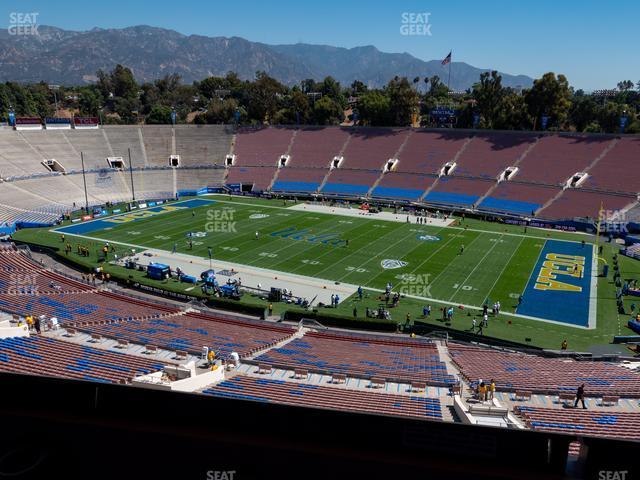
{"x":263,"y":291}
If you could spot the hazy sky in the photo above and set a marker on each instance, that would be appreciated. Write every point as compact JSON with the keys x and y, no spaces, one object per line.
{"x":594,"y":43}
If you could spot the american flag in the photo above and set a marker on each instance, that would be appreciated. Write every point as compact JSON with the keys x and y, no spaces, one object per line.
{"x":447,"y":59}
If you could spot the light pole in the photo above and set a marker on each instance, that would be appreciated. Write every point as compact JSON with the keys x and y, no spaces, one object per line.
{"x":54,"y":88}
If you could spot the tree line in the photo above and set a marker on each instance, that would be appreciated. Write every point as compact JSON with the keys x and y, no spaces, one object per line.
{"x":117,"y":98}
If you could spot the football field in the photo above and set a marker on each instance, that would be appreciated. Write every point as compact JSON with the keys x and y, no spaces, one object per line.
{"x":453,"y":265}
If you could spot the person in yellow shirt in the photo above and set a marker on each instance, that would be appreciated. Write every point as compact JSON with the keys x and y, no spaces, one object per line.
{"x":211,"y":357}
{"x":492,"y":389}
{"x":482,"y":390}
{"x":29,"y":322}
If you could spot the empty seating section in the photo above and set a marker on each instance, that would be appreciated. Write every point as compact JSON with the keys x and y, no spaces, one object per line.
{"x":518,"y":198}
{"x":203,"y":144}
{"x":403,"y":186}
{"x":556,"y":157}
{"x":316,"y":147}
{"x":361,"y":355}
{"x":517,"y":371}
{"x":301,"y":394}
{"x":122,"y":139}
{"x":16,"y":157}
{"x":194,"y":178}
{"x":458,"y":190}
{"x":487,"y":155}
{"x":259,"y":177}
{"x":624,"y":425}
{"x":370,"y":148}
{"x":261,"y":146}
{"x":94,"y":148}
{"x":57,"y":358}
{"x":294,"y":179}
{"x":350,"y":182}
{"x":619,"y":169}
{"x":193,"y":331}
{"x":158,"y":144}
{"x":427,"y":152}
{"x":51,"y":144}
{"x":577,"y":203}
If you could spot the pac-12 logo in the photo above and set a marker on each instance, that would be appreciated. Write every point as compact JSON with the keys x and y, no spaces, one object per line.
{"x":389,"y":264}
{"x":428,"y":238}
{"x":256,"y":216}
{"x":197,"y":234}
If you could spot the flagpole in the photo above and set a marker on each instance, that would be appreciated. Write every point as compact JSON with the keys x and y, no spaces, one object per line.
{"x":450,"y":62}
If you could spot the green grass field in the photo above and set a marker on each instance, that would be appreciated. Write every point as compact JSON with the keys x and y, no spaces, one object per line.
{"x":496,"y":264}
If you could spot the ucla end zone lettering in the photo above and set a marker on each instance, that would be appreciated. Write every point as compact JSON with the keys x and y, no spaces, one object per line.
{"x":557,"y":266}
{"x":560,"y":285}
{"x":134,"y":216}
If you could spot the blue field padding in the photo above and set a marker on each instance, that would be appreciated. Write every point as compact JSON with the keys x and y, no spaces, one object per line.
{"x":450,"y":198}
{"x":284,"y":186}
{"x":566,"y":301}
{"x":509,"y":206}
{"x":394,"y":192}
{"x":345,"y":189}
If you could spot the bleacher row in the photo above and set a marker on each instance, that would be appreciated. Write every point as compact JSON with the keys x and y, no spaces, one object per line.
{"x":363,"y":356}
{"x":317,"y":396}
{"x":517,"y":371}
{"x":624,"y":425}
{"x":545,"y":164}
{"x":51,"y":357}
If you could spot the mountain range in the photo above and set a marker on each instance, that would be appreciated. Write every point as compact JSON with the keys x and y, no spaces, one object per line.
{"x":69,"y":57}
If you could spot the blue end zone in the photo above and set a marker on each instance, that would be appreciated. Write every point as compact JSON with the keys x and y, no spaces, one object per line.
{"x":503,"y":205}
{"x":555,"y":291}
{"x":394,"y":192}
{"x":133,"y":216}
{"x":451,"y":198}
{"x":346,"y":188}
{"x":295,"y":186}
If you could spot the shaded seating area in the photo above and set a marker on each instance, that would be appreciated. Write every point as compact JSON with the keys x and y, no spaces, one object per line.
{"x":488,"y":154}
{"x":618,"y":170}
{"x":51,"y":357}
{"x":316,"y":146}
{"x":370,"y":148}
{"x":363,"y":356}
{"x":301,"y":394}
{"x":261,"y":146}
{"x":556,"y":157}
{"x":615,"y":424}
{"x":426,"y":152}
{"x":514,"y":372}
{"x":193,"y":331}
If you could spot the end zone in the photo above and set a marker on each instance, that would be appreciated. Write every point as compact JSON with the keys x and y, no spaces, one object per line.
{"x":562,"y":286}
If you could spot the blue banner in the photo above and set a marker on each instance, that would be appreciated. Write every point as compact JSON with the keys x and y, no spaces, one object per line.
{"x":544,"y":121}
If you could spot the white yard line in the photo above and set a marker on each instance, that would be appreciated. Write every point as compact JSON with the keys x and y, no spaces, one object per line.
{"x":464,"y":282}
{"x":495,"y":282}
